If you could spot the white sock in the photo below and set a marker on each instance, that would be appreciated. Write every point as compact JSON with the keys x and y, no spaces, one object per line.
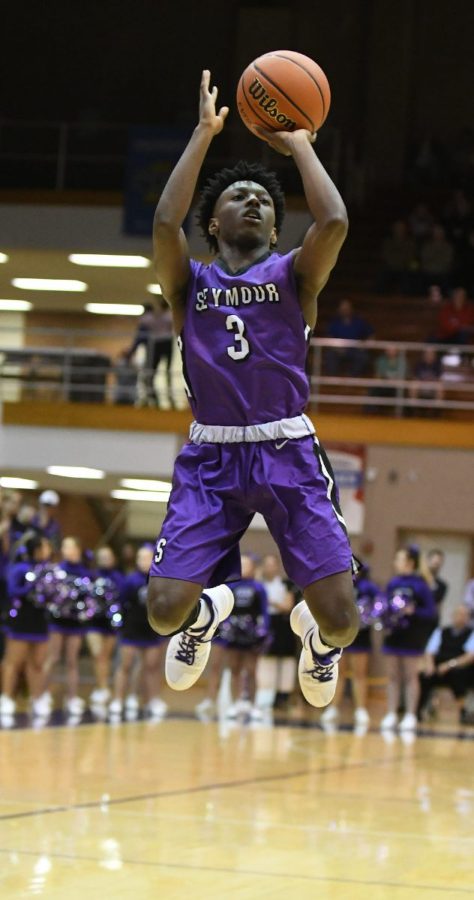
{"x":318,"y":644}
{"x":204,"y":615}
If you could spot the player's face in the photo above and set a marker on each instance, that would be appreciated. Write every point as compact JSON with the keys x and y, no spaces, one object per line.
{"x":244,"y":213}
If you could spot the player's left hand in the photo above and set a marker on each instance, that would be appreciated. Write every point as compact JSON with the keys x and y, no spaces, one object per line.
{"x":284,"y":141}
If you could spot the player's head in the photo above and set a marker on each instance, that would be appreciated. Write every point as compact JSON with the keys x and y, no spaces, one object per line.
{"x":244,"y":205}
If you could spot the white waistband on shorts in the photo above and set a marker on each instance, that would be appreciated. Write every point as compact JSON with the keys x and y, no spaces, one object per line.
{"x":297,"y":427}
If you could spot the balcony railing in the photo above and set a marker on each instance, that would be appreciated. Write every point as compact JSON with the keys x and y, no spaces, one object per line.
{"x":67,"y":366}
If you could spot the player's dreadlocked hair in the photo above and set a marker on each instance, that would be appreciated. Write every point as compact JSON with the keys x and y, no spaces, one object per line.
{"x":242,"y":171}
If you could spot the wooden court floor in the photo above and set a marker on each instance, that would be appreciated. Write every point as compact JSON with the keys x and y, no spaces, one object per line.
{"x":186,"y":809}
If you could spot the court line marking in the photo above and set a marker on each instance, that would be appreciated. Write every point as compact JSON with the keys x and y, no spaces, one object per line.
{"x":223,"y":785}
{"x":253,"y":872}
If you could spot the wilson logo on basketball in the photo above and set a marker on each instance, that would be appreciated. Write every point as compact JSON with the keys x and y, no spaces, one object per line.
{"x":269,"y":105}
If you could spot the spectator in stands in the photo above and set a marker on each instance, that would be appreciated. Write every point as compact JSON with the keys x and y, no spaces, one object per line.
{"x":439,"y":587}
{"x":420,"y":222}
{"x":398,"y":257}
{"x":155,"y":333}
{"x":125,"y":388}
{"x":351,"y":361}
{"x":45,"y":519}
{"x":456,"y":319}
{"x":390,"y":366}
{"x":466,"y":262}
{"x":426,"y":384}
{"x":434,"y":295}
{"x":468,"y":600}
{"x":436,"y":259}
{"x":458,"y":219}
{"x":449,"y":661}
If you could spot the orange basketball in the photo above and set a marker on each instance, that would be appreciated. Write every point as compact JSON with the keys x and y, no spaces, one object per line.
{"x":282,"y":91}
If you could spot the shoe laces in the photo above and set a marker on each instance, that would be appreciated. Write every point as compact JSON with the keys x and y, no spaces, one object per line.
{"x":323,"y":666}
{"x":189,"y":645}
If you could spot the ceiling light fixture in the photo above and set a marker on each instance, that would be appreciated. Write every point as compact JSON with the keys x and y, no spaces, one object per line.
{"x":4,"y":258}
{"x":23,"y":484}
{"x":154,"y":289}
{"x":49,"y":284}
{"x":112,"y":260}
{"x":140,"y":496}
{"x":15,"y":305}
{"x":146,"y":484}
{"x":75,"y":472}
{"x":115,"y":309}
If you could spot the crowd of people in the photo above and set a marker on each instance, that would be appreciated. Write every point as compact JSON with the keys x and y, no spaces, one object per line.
{"x":59,"y":601}
{"x":429,"y":248}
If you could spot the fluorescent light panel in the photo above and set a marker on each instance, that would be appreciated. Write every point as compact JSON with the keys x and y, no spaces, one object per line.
{"x":145,"y":484}
{"x":112,"y":260}
{"x":154,"y":289}
{"x":115,"y":309}
{"x":15,"y":305}
{"x":4,"y":258}
{"x":75,"y":472}
{"x":23,"y":484}
{"x":49,"y":284}
{"x":140,"y":496}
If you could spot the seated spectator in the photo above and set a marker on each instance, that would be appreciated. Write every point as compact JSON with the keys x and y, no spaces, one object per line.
{"x":420,"y":223}
{"x":434,"y":295}
{"x":426,"y":384}
{"x":436,"y":259}
{"x":449,"y":661}
{"x":389,"y":366}
{"x":398,"y":256}
{"x":456,"y":319}
{"x":347,"y":326}
{"x":458,"y":219}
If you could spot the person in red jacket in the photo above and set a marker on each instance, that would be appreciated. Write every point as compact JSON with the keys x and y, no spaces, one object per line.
{"x":456,"y":319}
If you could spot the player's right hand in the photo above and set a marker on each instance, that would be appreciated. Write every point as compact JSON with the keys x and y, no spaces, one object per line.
{"x":208,"y":116}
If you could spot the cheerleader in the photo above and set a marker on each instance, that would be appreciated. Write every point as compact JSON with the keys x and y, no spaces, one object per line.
{"x":102,"y":634}
{"x":26,"y":629}
{"x":138,"y":641}
{"x":405,"y":642}
{"x":67,"y":632}
{"x":243,"y":633}
{"x":354,"y":662}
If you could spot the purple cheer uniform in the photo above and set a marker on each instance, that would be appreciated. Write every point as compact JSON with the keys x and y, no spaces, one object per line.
{"x":244,"y":344}
{"x":136,"y":630}
{"x":409,"y":637}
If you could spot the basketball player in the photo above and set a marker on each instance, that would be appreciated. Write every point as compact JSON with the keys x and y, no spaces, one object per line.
{"x":244,"y":323}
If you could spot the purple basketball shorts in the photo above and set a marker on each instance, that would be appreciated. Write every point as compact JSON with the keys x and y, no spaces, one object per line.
{"x":217,"y":488}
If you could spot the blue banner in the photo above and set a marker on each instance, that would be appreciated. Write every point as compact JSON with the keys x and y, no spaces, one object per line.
{"x":152,"y":153}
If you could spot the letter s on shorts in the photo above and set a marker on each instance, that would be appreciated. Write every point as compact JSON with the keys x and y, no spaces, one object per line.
{"x":160,"y":548}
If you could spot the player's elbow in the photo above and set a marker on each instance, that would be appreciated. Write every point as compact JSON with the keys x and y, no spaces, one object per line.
{"x":337,"y":225}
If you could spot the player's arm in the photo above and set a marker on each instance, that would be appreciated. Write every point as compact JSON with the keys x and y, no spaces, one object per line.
{"x":170,"y":248}
{"x":317,"y":256}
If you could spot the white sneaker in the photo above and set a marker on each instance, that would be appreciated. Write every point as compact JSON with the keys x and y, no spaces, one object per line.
{"x":41,"y":706}
{"x":361,"y":717}
{"x":157,"y":707}
{"x":188,"y":651}
{"x":329,"y":715}
{"x":99,"y":697}
{"x":7,"y":706}
{"x":132,"y":703}
{"x":408,"y":723}
{"x":256,"y":714}
{"x":115,"y":708}
{"x":75,"y":706}
{"x":318,"y":666}
{"x":205,"y":709}
{"x":389,"y":722}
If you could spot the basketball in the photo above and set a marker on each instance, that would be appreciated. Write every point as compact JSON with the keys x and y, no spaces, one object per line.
{"x":282,"y":91}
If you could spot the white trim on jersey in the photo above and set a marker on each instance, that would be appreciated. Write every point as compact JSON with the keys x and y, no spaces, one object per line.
{"x":296,"y":427}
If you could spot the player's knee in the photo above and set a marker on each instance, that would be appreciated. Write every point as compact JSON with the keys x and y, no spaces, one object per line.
{"x":169,"y":604}
{"x":335,"y":612}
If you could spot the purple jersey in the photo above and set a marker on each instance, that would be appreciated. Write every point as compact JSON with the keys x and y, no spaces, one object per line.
{"x":244,"y":343}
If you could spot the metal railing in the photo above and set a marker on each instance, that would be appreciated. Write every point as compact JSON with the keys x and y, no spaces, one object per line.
{"x":72,"y":365}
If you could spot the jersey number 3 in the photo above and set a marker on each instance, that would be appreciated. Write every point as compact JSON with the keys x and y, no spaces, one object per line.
{"x":241,"y":347}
